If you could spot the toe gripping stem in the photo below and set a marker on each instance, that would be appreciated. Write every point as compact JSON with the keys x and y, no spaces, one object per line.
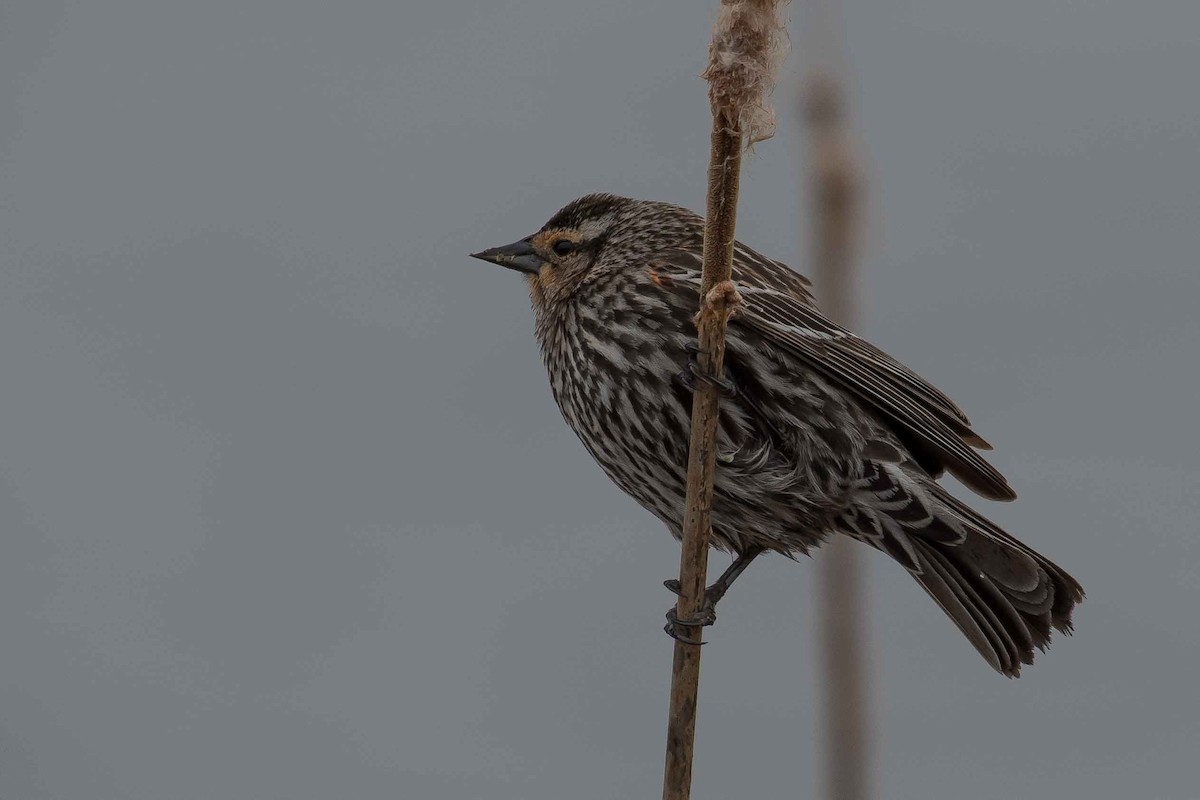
{"x":692,"y":374}
{"x":704,"y":617}
{"x":707,"y":614}
{"x":674,"y":623}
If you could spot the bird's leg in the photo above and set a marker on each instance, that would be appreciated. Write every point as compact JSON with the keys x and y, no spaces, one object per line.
{"x":721,"y":585}
{"x":692,"y":374}
{"x":708,"y":609}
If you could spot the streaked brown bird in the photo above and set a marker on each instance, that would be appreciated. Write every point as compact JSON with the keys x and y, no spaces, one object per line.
{"x":820,"y":432}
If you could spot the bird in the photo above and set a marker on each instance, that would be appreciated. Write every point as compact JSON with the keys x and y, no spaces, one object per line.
{"x":820,"y":433}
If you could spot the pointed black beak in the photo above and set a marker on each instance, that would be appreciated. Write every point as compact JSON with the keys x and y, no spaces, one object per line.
{"x":519,"y":256}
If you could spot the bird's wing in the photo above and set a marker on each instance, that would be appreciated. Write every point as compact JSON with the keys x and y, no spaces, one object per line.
{"x":924,"y":419}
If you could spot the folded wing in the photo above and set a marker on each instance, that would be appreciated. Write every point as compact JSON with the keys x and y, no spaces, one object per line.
{"x":929,"y":424}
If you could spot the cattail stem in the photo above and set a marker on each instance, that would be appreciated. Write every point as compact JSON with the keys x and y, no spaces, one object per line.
{"x":717,"y":300}
{"x":743,"y":57}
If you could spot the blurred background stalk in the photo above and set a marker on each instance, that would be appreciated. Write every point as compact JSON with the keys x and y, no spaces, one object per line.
{"x":834,"y":188}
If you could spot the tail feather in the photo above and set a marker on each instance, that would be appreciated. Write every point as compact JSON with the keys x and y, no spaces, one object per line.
{"x":1064,"y":591}
{"x":1004,"y":596}
{"x":972,"y":616}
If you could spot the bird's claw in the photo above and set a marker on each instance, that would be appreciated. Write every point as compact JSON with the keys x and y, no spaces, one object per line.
{"x":706,"y":616}
{"x":711,"y":595}
{"x":692,"y":374}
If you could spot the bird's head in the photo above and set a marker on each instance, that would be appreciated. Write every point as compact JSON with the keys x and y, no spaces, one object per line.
{"x":591,"y":235}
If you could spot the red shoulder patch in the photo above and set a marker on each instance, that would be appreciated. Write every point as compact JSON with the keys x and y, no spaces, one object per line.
{"x":662,"y":281}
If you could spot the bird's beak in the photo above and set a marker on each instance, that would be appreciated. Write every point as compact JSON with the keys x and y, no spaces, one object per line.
{"x":519,"y":256}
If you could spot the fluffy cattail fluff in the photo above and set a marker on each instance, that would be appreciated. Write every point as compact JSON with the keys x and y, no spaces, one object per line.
{"x":820,"y":433}
{"x":748,"y":44}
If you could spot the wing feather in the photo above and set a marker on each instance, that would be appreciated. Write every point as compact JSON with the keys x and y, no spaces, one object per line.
{"x":786,"y":318}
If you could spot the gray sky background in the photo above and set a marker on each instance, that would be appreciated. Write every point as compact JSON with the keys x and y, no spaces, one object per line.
{"x":287,"y":508}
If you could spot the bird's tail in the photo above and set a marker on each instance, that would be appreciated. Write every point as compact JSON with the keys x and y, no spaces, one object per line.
{"x":1004,"y":596}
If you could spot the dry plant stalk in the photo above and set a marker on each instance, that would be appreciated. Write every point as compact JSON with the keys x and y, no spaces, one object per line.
{"x":747,"y":45}
{"x":834,"y":193}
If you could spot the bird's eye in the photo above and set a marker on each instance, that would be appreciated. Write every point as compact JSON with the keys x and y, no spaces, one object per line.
{"x":563,"y":247}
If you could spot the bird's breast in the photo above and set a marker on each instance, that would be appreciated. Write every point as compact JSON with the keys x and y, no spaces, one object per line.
{"x":614,"y":381}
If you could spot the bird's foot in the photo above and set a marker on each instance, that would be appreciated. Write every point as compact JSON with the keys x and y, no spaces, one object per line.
{"x":706,"y":616}
{"x":677,"y":628}
{"x":692,"y":375}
